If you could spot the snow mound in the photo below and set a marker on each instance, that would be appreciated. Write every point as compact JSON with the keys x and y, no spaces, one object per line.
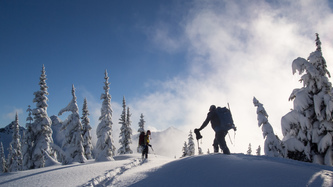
{"x":238,"y":170}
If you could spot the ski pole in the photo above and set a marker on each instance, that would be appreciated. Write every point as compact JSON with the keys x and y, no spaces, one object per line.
{"x":234,"y":129}
{"x":230,"y":139}
{"x":234,"y":138}
{"x":198,"y":144}
{"x":153,"y":150}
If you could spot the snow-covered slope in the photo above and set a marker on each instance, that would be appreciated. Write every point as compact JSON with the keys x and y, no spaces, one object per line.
{"x":239,"y":170}
{"x":204,"y":170}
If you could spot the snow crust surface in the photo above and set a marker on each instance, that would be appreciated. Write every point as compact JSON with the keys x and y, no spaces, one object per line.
{"x":203,"y":170}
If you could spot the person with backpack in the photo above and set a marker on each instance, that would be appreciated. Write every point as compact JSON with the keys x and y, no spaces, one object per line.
{"x":141,"y":141}
{"x":144,"y":143}
{"x":221,"y":122}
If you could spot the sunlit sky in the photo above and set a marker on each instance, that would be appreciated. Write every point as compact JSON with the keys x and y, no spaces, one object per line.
{"x":170,"y":59}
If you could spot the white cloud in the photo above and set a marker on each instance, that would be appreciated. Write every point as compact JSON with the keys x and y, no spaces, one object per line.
{"x":163,"y":38}
{"x":11,"y":115}
{"x":237,"y":50}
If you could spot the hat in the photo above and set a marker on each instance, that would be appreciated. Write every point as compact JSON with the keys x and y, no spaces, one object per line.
{"x":212,"y":107}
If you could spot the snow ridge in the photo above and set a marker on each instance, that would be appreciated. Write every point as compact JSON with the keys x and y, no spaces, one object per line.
{"x":325,"y":175}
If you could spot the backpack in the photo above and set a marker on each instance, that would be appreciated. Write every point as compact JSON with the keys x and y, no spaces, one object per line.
{"x":226,"y":122}
{"x":142,"y":138}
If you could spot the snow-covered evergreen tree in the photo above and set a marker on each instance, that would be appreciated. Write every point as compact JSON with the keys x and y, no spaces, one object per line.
{"x":141,"y":129}
{"x":41,"y":127}
{"x":272,"y":145}
{"x":141,"y":124}
{"x":129,"y":129}
{"x":27,"y":143}
{"x":208,"y":152}
{"x":10,"y":157}
{"x":185,"y":150}
{"x":73,"y":142}
{"x":105,"y":149}
{"x":190,"y":145}
{"x":249,"y":150}
{"x":200,"y":151}
{"x":86,"y":128}
{"x":258,"y":151}
{"x":3,"y":166}
{"x":29,"y":118}
{"x":125,"y":131}
{"x":308,"y":128}
{"x":16,"y":161}
{"x":58,"y":137}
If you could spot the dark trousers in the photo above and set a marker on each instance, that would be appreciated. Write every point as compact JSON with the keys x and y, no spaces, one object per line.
{"x":220,"y":139}
{"x":145,"y":151}
{"x":216,"y":146}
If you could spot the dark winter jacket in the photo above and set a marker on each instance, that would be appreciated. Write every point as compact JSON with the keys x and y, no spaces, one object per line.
{"x":214,"y":120}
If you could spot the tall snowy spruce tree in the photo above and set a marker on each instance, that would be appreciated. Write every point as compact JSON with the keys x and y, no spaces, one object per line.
{"x":9,"y":157}
{"x":308,"y":128}
{"x":129,"y":130}
{"x":185,"y":150}
{"x":86,"y":128}
{"x":41,"y":127}
{"x":190,"y":145}
{"x":141,"y":129}
{"x":122,"y":122}
{"x":105,"y":149}
{"x":141,"y":124}
{"x":272,"y":145}
{"x":73,"y":142}
{"x":125,"y":131}
{"x":3,"y":165}
{"x":16,"y":160}
{"x":27,"y":142}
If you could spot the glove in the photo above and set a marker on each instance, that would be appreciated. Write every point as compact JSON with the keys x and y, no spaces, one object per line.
{"x":235,"y":129}
{"x":149,"y":145}
{"x":197,"y":134}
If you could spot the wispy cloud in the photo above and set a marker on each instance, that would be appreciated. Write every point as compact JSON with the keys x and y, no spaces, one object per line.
{"x":163,"y":35}
{"x":237,"y":50}
{"x":12,"y":114}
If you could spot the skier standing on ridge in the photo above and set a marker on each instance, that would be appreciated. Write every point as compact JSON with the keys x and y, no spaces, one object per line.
{"x":218,"y":126}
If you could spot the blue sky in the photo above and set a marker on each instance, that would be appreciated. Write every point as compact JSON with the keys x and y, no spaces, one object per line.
{"x":170,"y":59}
{"x":77,"y":41}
